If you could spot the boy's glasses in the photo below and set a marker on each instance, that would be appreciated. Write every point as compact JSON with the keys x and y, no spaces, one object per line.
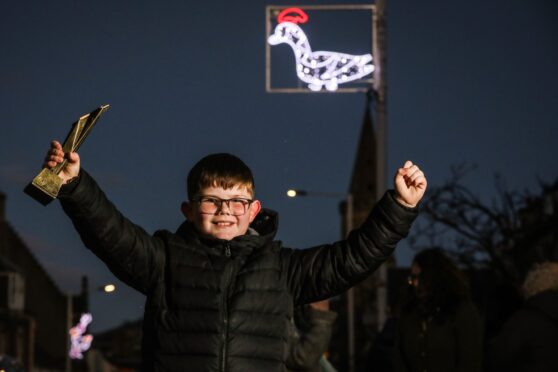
{"x":212,"y":204}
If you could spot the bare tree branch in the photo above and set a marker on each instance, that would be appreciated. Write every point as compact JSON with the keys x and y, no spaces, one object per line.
{"x":478,"y":234}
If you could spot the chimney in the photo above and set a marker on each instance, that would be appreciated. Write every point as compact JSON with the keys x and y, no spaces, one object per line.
{"x":85,"y":293}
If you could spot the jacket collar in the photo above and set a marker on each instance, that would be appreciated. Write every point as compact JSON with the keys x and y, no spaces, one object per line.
{"x":262,"y":230}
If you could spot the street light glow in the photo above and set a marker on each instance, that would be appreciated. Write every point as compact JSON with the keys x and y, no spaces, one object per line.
{"x":109,"y":288}
{"x":291,"y":193}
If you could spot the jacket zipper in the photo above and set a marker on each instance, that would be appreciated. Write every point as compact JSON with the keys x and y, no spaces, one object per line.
{"x":228,"y":275}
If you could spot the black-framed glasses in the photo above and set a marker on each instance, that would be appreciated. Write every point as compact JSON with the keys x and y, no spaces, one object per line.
{"x":212,"y":204}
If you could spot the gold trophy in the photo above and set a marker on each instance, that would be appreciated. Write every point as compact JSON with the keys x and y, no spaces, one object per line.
{"x":45,"y":187}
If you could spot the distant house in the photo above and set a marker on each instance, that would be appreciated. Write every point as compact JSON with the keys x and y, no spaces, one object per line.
{"x":35,"y":315}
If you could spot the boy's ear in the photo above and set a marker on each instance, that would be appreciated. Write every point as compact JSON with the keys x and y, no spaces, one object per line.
{"x":186,"y":209}
{"x":255,"y":208}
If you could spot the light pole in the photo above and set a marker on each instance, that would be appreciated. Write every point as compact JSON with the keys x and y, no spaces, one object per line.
{"x":348,"y":198}
{"x":106,"y":289}
{"x":380,"y":87}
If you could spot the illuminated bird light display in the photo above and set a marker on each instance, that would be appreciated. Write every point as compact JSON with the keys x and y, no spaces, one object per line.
{"x":80,"y":342}
{"x":321,"y":68}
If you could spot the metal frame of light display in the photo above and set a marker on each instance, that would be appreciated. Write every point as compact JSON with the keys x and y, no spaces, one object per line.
{"x":318,"y":71}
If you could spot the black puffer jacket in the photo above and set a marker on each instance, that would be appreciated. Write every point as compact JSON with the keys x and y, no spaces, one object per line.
{"x":217,"y":305}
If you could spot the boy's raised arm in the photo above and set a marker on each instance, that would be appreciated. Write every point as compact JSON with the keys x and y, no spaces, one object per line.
{"x":327,"y":270}
{"x":131,"y":253}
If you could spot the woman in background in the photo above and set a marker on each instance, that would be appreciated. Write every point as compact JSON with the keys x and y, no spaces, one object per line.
{"x":439,"y":329}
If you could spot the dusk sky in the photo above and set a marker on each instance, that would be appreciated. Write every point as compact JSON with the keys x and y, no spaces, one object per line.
{"x":468,"y":82}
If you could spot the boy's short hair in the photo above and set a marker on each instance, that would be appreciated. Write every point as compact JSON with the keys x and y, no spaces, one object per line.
{"x":219,"y":170}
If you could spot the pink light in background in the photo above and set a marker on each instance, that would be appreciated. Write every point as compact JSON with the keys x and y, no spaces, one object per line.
{"x":80,"y":342}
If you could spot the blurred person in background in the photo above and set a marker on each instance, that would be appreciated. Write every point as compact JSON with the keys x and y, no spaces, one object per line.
{"x":309,"y":338}
{"x":528,"y":341}
{"x":439,"y":329}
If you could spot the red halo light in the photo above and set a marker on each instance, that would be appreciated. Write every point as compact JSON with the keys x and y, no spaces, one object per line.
{"x":293,"y":15}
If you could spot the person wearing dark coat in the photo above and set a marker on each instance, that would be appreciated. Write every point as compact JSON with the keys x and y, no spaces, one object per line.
{"x":220,"y":290}
{"x":439,"y":329}
{"x":528,"y":341}
{"x":309,"y":336}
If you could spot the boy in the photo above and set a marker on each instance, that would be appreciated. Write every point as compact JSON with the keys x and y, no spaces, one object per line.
{"x":220,"y":291}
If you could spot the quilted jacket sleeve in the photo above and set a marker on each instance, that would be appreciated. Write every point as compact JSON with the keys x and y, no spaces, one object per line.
{"x":133,"y":255}
{"x":321,"y":272}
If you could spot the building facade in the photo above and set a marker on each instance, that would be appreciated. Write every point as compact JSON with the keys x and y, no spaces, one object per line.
{"x":35,"y":315}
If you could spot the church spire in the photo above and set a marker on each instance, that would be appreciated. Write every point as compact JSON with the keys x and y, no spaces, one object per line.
{"x":363,"y":180}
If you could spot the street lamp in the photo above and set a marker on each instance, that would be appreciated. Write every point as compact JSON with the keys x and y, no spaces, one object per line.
{"x":348,"y":198}
{"x":108,"y":288}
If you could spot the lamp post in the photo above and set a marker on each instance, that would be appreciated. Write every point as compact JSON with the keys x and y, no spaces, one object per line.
{"x":348,"y":198}
{"x":84,"y":307}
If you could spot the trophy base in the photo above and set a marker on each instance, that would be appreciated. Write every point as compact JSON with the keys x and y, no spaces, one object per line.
{"x":45,"y":187}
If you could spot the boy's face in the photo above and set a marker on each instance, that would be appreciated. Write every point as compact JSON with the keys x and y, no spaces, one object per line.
{"x":222,"y":224}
